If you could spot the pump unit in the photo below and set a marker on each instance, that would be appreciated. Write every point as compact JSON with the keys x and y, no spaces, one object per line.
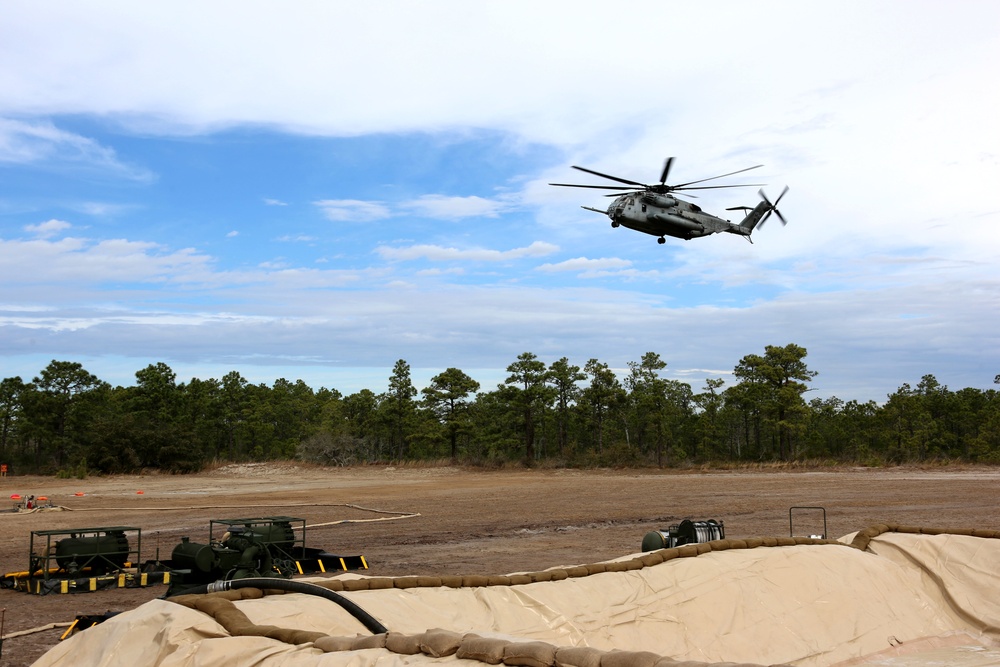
{"x":686,"y":532}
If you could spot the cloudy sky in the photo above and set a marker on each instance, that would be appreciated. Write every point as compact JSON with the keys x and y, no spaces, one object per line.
{"x":314,"y":190}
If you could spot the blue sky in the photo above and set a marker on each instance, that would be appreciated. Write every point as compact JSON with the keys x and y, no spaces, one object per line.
{"x":315,"y":191}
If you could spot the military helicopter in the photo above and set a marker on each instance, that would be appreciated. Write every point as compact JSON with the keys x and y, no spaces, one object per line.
{"x":652,"y":209}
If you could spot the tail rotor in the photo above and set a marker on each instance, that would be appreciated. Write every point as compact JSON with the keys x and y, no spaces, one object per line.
{"x":772,"y":208}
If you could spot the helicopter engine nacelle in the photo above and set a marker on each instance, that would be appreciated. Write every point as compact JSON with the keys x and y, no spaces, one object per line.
{"x":659,"y":200}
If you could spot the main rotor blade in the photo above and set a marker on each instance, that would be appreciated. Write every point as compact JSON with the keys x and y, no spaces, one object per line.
{"x":619,"y":194}
{"x":597,"y":187}
{"x":718,"y":187}
{"x":732,"y":173}
{"x":613,"y":178}
{"x":666,"y":170}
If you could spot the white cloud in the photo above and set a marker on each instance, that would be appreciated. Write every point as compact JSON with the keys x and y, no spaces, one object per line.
{"x":454,"y":208}
{"x":584,"y":264}
{"x":437,"y":271}
{"x":845,"y":333}
{"x":48,"y":228}
{"x":441,"y":253}
{"x":101,"y":209}
{"x":353,"y":210}
{"x":274,"y":202}
{"x":439,"y":207}
{"x":81,"y":262}
{"x":88,"y":267}
{"x":274,"y":264}
{"x":42,"y":143}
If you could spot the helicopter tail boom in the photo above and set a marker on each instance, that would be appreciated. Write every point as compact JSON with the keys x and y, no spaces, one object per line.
{"x":746,"y":227}
{"x":758,"y":214}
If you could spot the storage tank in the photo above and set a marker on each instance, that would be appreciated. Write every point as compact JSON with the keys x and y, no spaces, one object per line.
{"x":279,"y":534}
{"x":101,"y":553}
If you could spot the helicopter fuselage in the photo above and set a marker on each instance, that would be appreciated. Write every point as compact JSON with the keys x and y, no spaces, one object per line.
{"x":653,"y":208}
{"x":662,"y":215}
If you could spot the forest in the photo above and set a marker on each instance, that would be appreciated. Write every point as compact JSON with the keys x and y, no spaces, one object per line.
{"x":68,"y":422}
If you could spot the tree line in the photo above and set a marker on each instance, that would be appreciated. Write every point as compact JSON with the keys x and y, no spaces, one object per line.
{"x":67,"y":421}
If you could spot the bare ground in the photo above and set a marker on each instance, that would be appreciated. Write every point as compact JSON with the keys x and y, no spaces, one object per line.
{"x":469,"y":521}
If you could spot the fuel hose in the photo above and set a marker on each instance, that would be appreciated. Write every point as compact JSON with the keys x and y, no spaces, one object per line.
{"x":291,"y":586}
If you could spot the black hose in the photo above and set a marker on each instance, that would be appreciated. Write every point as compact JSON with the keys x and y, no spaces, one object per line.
{"x":353,"y":609}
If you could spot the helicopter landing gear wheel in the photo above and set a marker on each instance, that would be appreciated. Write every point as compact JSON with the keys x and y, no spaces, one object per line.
{"x":615,"y":225}
{"x":661,"y":240}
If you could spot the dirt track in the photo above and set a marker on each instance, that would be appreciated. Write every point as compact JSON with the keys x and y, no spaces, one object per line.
{"x":470,"y":521}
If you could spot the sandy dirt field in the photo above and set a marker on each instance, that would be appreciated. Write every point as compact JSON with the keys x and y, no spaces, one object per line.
{"x":467,"y":521}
